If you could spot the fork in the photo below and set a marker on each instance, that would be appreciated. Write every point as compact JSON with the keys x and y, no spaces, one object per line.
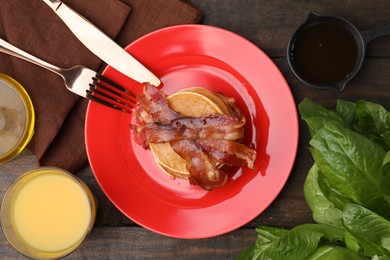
{"x":82,"y":81}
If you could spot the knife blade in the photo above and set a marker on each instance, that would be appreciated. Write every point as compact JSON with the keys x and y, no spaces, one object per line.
{"x":102,"y":45}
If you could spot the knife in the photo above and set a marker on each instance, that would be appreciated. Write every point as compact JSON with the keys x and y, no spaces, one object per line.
{"x":101,"y":45}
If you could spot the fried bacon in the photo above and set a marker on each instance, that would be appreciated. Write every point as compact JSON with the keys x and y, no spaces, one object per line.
{"x":203,"y":142}
{"x":202,"y":170}
{"x":142,"y":116}
{"x":229,"y":152}
{"x":192,"y":128}
{"x":155,"y":103}
{"x":230,"y":104}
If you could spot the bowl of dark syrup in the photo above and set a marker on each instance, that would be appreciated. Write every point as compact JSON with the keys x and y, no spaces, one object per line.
{"x":327,"y":51}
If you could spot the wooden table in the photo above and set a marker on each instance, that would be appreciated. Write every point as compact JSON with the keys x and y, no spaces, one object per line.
{"x":268,"y":24}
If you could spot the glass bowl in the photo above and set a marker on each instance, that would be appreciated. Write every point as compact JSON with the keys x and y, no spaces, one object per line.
{"x":47,"y":213}
{"x":17,"y":118}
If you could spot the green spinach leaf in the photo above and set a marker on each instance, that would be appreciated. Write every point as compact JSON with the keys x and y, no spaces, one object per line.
{"x":347,"y":110}
{"x":331,"y":252}
{"x":298,"y":243}
{"x":352,"y":165}
{"x":317,"y":116}
{"x":373,"y":121}
{"x":324,"y":211}
{"x":370,"y":230}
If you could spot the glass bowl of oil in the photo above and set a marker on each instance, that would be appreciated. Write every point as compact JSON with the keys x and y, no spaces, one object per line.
{"x":17,"y":118}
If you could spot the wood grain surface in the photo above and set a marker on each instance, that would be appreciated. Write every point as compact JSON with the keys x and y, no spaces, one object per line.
{"x":269,"y":25}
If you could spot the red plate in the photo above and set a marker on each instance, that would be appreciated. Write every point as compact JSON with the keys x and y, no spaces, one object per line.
{"x":218,"y":60}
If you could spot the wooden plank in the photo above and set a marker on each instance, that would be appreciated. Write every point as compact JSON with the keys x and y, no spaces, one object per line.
{"x":139,"y":243}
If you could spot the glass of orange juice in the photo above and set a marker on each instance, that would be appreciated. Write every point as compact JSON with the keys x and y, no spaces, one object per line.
{"x":47,"y":213}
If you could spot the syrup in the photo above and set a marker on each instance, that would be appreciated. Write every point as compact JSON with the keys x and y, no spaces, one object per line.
{"x":324,"y":53}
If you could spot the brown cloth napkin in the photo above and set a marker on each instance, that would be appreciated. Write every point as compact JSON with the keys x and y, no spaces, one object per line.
{"x":33,"y":27}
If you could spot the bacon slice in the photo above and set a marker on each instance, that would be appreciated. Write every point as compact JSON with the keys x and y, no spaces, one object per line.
{"x":202,"y":170}
{"x":192,"y":128}
{"x":229,"y":152}
{"x":141,"y":116}
{"x":155,"y":103}
{"x":231,"y":105}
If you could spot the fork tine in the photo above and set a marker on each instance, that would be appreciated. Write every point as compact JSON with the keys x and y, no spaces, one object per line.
{"x":115,"y":85}
{"x":104,"y":99}
{"x":109,"y":93}
{"x":114,"y":94}
{"x":114,"y":88}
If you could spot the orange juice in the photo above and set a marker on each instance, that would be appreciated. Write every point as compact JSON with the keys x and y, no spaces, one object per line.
{"x":50,"y":212}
